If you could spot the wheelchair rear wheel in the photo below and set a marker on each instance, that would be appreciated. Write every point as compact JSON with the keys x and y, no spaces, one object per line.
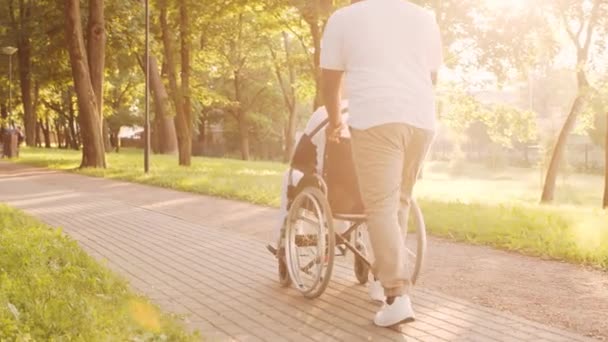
{"x":310,"y":242}
{"x":416,"y":245}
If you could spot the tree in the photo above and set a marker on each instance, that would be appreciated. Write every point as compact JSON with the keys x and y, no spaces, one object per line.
{"x":186,"y":46}
{"x":288,"y":89}
{"x":597,"y":109}
{"x":314,"y":14}
{"x":581,"y":25}
{"x":165,"y":137}
{"x":183,"y":119}
{"x":503,"y":125}
{"x":96,"y":46}
{"x":242,"y":66}
{"x":22,"y":21}
{"x":89,"y":118}
{"x":122,"y":90}
{"x":125,"y":39}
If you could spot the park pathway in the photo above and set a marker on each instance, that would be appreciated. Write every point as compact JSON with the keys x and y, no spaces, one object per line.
{"x":205,"y":258}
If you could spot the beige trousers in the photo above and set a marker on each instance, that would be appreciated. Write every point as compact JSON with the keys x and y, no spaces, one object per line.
{"x":387,"y":160}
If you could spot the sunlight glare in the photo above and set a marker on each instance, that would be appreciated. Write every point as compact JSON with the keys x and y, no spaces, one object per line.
{"x":509,"y":5}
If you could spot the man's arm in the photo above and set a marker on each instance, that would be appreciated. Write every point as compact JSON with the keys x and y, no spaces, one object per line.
{"x":332,"y":68}
{"x":331,"y":91}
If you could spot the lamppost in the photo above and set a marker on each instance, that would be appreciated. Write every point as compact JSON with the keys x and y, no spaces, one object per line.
{"x":147,"y":99}
{"x":9,"y":51}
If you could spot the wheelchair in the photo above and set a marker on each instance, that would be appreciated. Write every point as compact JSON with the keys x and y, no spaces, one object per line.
{"x":309,"y":243}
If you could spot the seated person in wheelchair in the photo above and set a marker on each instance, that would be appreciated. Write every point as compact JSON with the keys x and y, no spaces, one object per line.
{"x":308,"y":159}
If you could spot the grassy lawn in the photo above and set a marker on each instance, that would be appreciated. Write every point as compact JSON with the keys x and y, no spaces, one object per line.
{"x":471,"y":204}
{"x":51,"y":290}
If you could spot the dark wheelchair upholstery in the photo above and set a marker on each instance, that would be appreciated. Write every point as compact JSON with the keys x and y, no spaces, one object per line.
{"x":338,"y":174}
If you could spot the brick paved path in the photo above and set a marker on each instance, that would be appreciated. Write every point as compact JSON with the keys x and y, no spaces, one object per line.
{"x":222,"y":279}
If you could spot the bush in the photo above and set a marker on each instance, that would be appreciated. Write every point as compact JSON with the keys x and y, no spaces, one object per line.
{"x":50,"y":289}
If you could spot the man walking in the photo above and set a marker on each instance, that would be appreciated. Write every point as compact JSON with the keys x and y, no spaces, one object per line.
{"x":389,"y":52}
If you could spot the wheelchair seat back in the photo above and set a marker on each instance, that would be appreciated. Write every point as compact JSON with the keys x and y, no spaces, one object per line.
{"x":339,"y":174}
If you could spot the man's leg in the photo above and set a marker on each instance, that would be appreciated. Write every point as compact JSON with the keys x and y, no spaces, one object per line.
{"x":417,"y":144}
{"x":378,"y":156}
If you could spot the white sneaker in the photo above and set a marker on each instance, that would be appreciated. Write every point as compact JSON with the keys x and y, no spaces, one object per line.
{"x":397,"y":313}
{"x":376,"y":291}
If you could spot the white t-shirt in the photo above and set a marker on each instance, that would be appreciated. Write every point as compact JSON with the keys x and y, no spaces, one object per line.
{"x":388,"y":50}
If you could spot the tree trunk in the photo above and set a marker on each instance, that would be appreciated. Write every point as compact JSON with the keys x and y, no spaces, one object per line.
{"x":59,"y":136}
{"x":289,"y":96}
{"x":155,"y":135}
{"x":291,"y":105}
{"x":244,"y":136}
{"x":58,"y":133}
{"x":71,"y":135}
{"x":241,"y":116}
{"x":107,"y":145}
{"x":558,"y":151}
{"x":165,"y":127}
{"x":315,"y":31}
{"x":114,"y":140}
{"x":46,"y":130}
{"x":39,"y":122}
{"x":88,"y":116}
{"x":39,"y":133}
{"x":185,"y":54}
{"x":181,"y":121}
{"x":560,"y":147}
{"x":202,"y":130}
{"x":582,"y":56}
{"x":96,"y":45}
{"x":605,"y":206}
{"x":290,"y":134}
{"x":3,"y":115}
{"x":25,"y":77}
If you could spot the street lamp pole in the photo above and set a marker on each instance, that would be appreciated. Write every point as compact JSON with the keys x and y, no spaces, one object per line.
{"x":147,"y":99}
{"x":9,"y":51}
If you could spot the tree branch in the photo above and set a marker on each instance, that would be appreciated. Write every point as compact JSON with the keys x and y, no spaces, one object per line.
{"x":11,"y":12}
{"x":571,"y":34}
{"x":277,"y":71}
{"x":595,"y":14}
{"x":300,"y":39}
{"x":581,"y":15}
{"x":53,"y":106}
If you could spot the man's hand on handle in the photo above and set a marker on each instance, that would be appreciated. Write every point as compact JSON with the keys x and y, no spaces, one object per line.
{"x":334,"y":131}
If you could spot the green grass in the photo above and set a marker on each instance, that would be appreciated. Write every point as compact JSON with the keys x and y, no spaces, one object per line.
{"x":255,"y":182}
{"x":51,"y":290}
{"x":471,"y":203}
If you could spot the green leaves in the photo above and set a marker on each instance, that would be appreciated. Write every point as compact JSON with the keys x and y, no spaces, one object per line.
{"x":503,"y":124}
